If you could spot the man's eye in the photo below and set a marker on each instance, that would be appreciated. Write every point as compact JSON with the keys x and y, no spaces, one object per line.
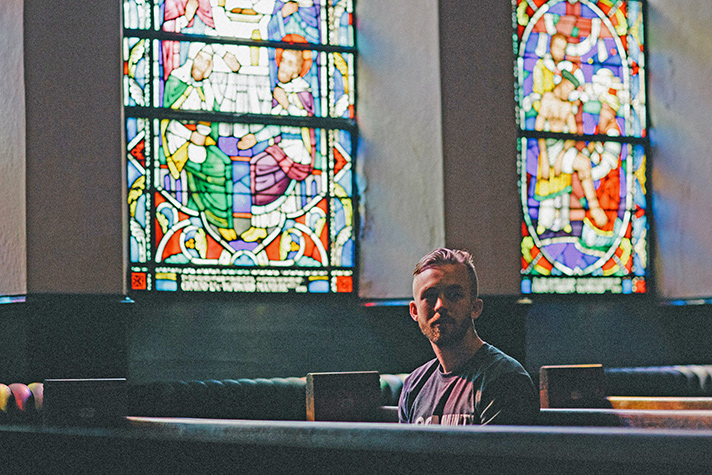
{"x":454,"y":295}
{"x":430,"y":297}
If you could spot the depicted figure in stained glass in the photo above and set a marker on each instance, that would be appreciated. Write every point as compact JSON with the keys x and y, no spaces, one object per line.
{"x":547,"y":68}
{"x":559,"y":159}
{"x":300,"y":17}
{"x":579,"y":76}
{"x":180,"y":17}
{"x":605,"y":161}
{"x":192,"y":17}
{"x":588,"y":33}
{"x":290,"y":155}
{"x":209,"y":170}
{"x":293,"y":95}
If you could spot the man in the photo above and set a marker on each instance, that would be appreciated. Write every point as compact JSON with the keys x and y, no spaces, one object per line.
{"x":469,"y":381}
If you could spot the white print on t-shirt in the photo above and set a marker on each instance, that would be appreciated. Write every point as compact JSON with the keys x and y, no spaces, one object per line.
{"x":449,"y":420}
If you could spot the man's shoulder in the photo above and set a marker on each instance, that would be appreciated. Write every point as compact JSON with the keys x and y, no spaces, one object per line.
{"x":424,"y":368}
{"x":422,"y":371}
{"x":503,"y":377}
{"x":491,"y":359}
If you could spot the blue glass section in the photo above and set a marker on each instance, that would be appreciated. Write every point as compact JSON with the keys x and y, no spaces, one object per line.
{"x":132,"y":173}
{"x":526,"y":286}
{"x":339,"y":215}
{"x":347,"y":255}
{"x":346,"y":182}
{"x":244,"y":260}
{"x":141,"y":211}
{"x":345,"y":141}
{"x":319,"y":286}
{"x":131,"y":129}
{"x":133,"y":249}
{"x":241,"y":202}
{"x":166,"y":285}
{"x":627,"y":286}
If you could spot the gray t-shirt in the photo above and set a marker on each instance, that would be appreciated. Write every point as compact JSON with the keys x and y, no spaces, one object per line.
{"x":490,"y":388}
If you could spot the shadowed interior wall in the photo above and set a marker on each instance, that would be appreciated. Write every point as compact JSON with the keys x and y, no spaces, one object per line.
{"x":680,"y":97}
{"x":481,"y":191}
{"x":75,"y":188}
{"x":13,"y":271}
{"x":400,"y":154}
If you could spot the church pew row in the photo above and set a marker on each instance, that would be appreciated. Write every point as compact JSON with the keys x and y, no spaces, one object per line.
{"x":179,"y":445}
{"x":571,"y":401}
{"x":686,"y":387}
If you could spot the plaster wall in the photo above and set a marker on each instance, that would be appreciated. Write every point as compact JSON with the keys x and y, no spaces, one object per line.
{"x":75,"y":200}
{"x":479,"y":139}
{"x":13,"y":275}
{"x":680,"y":97}
{"x":400,"y":152}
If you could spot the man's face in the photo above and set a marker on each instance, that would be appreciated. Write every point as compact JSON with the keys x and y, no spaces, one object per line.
{"x":290,"y":66}
{"x":202,"y":66}
{"x":442,"y":304}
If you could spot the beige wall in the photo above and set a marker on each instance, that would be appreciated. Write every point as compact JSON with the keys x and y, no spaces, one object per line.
{"x":75,"y":237}
{"x":680,"y":98}
{"x":401,"y":141}
{"x":479,"y":136}
{"x":13,"y":276}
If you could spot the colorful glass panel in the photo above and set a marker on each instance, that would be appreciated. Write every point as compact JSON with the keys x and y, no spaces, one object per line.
{"x":240,"y":175}
{"x":137,"y":14}
{"x":582,"y":161}
{"x":598,"y":44}
{"x":321,"y":22}
{"x":277,"y":81}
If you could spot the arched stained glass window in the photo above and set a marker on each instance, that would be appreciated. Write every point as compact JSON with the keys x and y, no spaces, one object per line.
{"x":240,"y":139}
{"x":581,"y":111}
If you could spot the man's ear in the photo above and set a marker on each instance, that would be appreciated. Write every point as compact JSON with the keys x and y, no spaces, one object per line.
{"x":477,"y":308}
{"x":413,"y":311}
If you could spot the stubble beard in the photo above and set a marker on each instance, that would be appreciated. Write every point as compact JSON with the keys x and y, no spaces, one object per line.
{"x":446,"y":338}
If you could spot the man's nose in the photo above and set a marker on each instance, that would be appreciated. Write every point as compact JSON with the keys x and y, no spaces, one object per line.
{"x":440,"y":302}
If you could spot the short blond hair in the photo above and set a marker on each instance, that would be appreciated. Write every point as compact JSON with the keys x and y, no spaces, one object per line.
{"x":443,"y":256}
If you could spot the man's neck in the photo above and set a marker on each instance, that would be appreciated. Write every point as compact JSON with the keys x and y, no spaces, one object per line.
{"x":452,"y":356}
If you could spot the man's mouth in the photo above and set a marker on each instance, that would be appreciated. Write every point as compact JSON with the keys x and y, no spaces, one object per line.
{"x":443,"y":320}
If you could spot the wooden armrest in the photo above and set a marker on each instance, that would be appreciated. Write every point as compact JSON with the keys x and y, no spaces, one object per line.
{"x":660,"y":403}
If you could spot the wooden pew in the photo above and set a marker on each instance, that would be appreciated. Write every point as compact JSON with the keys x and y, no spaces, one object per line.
{"x":660,"y":403}
{"x":641,"y":419}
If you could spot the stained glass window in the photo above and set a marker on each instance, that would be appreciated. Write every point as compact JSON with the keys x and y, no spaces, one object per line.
{"x":581,"y":112}
{"x":240,"y":139}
